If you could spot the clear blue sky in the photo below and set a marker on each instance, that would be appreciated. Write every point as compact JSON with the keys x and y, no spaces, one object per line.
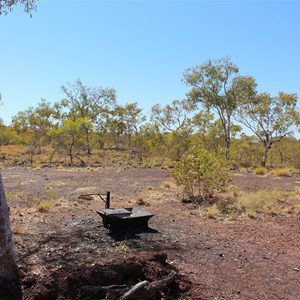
{"x":141,"y":48}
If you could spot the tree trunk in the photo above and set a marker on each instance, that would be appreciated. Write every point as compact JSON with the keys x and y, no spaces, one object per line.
{"x":87,"y":134}
{"x":227,"y":136}
{"x":267,"y":147}
{"x":9,"y":278}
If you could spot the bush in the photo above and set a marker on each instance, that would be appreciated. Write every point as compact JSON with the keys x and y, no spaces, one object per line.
{"x":201,"y":174}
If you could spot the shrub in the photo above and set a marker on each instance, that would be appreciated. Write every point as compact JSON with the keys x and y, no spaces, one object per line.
{"x":201,"y":174}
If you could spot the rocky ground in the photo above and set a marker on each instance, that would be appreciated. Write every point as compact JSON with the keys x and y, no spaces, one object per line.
{"x":67,"y":253}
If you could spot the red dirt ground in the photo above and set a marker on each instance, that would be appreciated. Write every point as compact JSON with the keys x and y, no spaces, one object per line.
{"x":67,"y":253}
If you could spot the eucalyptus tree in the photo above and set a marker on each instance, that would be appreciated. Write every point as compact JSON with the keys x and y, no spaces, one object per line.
{"x":67,"y":139}
{"x":132,"y":118}
{"x":270,"y":118}
{"x":175,"y":121}
{"x":36,"y":121}
{"x":10,"y":287}
{"x":87,"y":102}
{"x":9,"y":277}
{"x":217,"y":85}
{"x":122,"y":123}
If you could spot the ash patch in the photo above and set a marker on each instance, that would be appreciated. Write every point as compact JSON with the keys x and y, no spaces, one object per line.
{"x":81,"y":222}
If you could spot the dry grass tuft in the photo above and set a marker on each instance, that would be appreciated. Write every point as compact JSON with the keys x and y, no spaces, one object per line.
{"x":260,"y":171}
{"x":235,"y":205}
{"x":167,"y":184}
{"x":282,"y":172}
{"x":44,"y":205}
{"x":213,"y":212}
{"x":141,"y":201}
{"x":258,"y":201}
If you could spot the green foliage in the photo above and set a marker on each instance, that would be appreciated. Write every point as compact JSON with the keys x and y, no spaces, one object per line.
{"x":218,"y":87}
{"x":90,"y":118}
{"x":35,"y":123}
{"x":269,"y":118}
{"x":8,"y":136}
{"x":175,"y":125}
{"x":201,"y":174}
{"x":87,"y":103}
{"x":122,"y":124}
{"x":68,"y":138}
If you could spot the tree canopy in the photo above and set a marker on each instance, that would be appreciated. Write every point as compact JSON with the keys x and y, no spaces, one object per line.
{"x":217,"y":85}
{"x":269,"y":118}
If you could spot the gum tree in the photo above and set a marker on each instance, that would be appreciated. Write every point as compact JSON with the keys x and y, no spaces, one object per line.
{"x":217,"y":85}
{"x":87,"y":102}
{"x":9,"y":278}
{"x":37,"y":121}
{"x":175,"y":122}
{"x":68,"y":138}
{"x":269,"y":118}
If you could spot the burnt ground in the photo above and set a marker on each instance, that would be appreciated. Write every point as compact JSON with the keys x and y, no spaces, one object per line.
{"x":67,"y":253}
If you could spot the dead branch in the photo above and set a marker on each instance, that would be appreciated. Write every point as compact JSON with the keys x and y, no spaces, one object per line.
{"x":162,"y":284}
{"x":134,"y":290}
{"x":146,"y":290}
{"x":114,"y":286}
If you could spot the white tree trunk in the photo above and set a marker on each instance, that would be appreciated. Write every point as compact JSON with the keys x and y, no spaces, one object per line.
{"x":9,"y":278}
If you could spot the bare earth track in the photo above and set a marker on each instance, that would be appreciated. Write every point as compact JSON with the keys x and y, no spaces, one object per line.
{"x":68,"y":246}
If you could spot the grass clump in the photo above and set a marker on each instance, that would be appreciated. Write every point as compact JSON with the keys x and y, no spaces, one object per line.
{"x":45,"y":205}
{"x":261,"y":202}
{"x":213,"y":212}
{"x":260,"y":171}
{"x":282,"y":172}
{"x":167,"y":184}
{"x":141,"y":201}
{"x":251,"y":204}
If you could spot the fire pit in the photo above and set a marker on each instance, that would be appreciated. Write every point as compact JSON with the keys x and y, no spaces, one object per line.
{"x":124,"y":217}
{"x":121,"y":217}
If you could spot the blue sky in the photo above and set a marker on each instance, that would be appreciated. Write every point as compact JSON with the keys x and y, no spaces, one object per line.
{"x":141,"y":48}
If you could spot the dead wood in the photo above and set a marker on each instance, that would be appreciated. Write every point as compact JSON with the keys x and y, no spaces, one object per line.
{"x":146,"y":290}
{"x":134,"y":290}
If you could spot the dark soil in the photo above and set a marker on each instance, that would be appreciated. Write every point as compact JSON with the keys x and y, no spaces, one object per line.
{"x":67,"y":253}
